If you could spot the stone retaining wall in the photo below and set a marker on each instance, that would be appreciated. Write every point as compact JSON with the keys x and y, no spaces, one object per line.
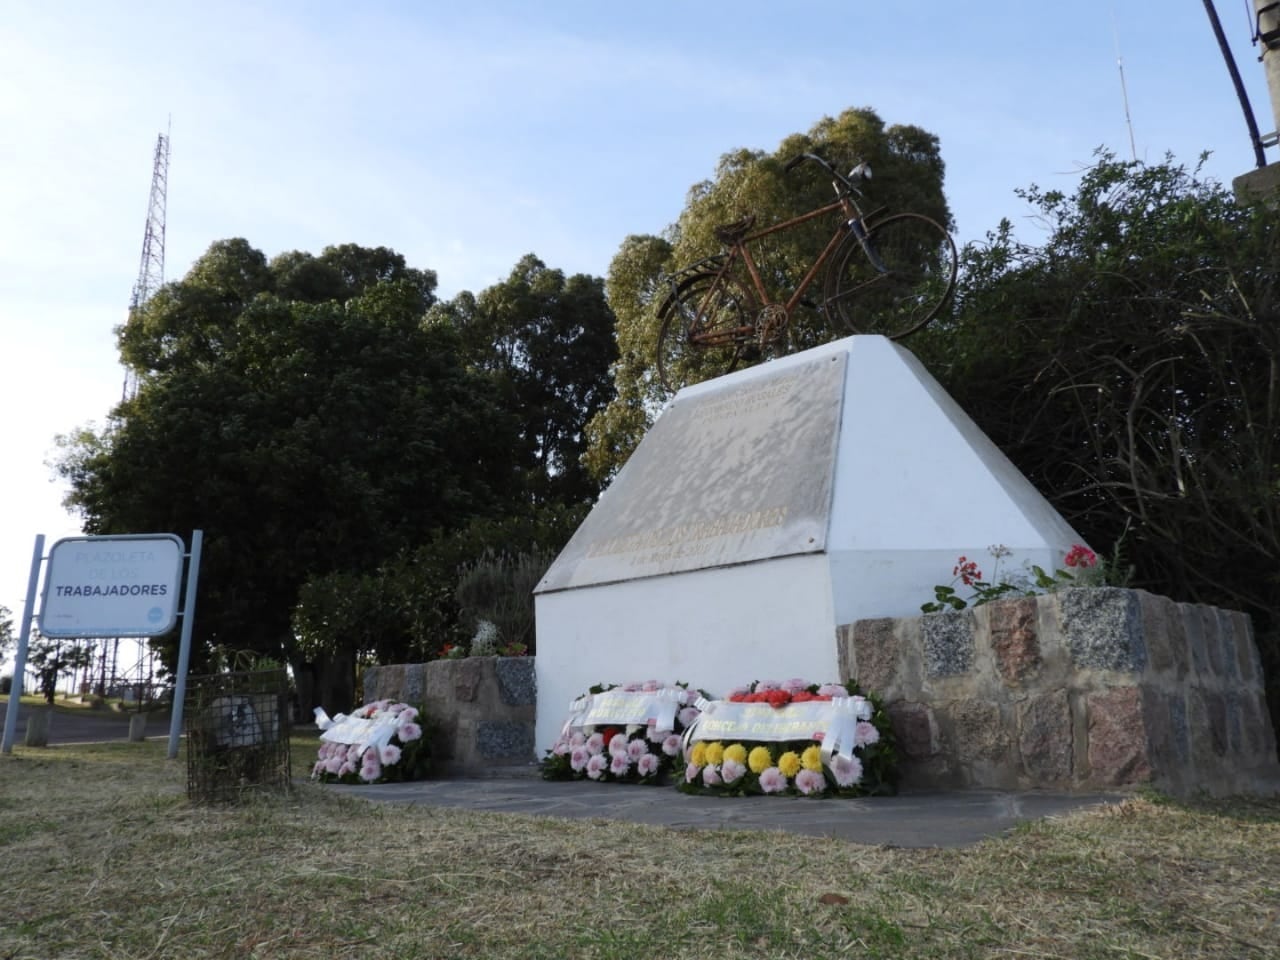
{"x":1083,"y":689}
{"x":480,"y":709}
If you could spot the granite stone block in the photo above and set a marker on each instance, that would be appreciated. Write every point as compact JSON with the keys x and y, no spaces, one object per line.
{"x":948,"y":643}
{"x":914,"y":729}
{"x":1014,"y":638}
{"x":415,"y":683}
{"x":1193,"y":622}
{"x":875,"y":655}
{"x":1117,"y":738}
{"x":1102,"y":628}
{"x":1166,"y":637}
{"x":467,"y":675}
{"x":516,"y":683}
{"x":505,"y":740}
{"x":1212,"y":627}
{"x":1045,"y":739}
{"x":979,"y":732}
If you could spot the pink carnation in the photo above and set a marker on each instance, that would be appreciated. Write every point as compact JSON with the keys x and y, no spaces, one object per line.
{"x":671,"y":745}
{"x":409,"y":732}
{"x":578,"y":759}
{"x":577,"y":739}
{"x":596,"y":765}
{"x":561,"y":748}
{"x":648,"y":765}
{"x":711,"y":775}
{"x":773,"y":780}
{"x":371,"y":768}
{"x":795,"y":685}
{"x":687,"y":716}
{"x":390,"y":755}
{"x":810,"y":782}
{"x":619,"y":765}
{"x":764,"y":686}
{"x":408,"y":714}
{"x":595,"y":743}
{"x":846,"y":770}
{"x":865,"y":734}
{"x":319,"y":768}
{"x":618,"y":745}
{"x":731,"y":770}
{"x":691,"y":772}
{"x":832,"y":690}
{"x":637,"y":749}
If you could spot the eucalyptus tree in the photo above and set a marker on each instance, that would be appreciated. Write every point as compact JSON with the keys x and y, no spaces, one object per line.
{"x":304,"y":416}
{"x":908,"y":174}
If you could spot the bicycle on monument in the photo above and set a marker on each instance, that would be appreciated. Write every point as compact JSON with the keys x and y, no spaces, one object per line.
{"x":882,"y":272}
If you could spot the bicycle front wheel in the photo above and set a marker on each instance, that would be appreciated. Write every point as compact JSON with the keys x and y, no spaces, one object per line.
{"x":706,"y":324}
{"x":895,"y":281}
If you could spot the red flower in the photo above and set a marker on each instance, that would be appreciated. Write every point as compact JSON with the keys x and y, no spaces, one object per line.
{"x":1081,"y":556}
{"x":967,"y":570}
{"x":609,"y":733}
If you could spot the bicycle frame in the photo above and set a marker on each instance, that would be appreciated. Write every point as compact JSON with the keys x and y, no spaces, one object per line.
{"x":850,"y":213}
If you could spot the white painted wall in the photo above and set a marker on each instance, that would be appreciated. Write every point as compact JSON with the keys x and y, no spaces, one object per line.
{"x":915,"y":485}
{"x":713,"y":628}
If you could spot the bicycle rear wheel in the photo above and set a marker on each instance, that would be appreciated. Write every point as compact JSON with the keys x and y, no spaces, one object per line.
{"x":706,"y":324}
{"x":897,"y":282}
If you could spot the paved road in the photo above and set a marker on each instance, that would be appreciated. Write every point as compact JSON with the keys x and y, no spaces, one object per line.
{"x":922,"y":819}
{"x":83,"y":726}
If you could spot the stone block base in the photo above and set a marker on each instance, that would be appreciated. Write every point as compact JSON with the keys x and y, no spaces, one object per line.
{"x":480,"y":710}
{"x":1086,"y":689}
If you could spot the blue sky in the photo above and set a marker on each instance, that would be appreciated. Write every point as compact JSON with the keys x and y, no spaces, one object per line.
{"x":466,"y":137}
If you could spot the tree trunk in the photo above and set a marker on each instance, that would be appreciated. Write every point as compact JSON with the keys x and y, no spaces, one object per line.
{"x":329,"y":683}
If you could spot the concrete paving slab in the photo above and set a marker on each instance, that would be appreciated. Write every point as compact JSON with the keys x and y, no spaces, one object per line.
{"x":933,"y":819}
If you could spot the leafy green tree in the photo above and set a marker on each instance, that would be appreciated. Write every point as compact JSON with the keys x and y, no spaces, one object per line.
{"x":407,"y":609}
{"x":547,"y":343}
{"x":53,"y":659}
{"x":1129,"y":365}
{"x":305,"y":437}
{"x":908,"y":171}
{"x":7,"y":638}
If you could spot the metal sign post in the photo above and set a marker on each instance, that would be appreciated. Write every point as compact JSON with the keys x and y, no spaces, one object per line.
{"x":112,"y":586}
{"x":20,"y":664}
{"x":184,"y":649}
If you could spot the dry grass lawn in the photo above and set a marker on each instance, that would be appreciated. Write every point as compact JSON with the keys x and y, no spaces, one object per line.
{"x":103,"y":856}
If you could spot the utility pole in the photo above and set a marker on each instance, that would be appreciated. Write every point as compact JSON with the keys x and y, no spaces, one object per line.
{"x":1267,"y":36}
{"x":1264,"y":181}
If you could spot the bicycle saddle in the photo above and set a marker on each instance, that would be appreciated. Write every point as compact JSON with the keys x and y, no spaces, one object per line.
{"x":731,"y":233}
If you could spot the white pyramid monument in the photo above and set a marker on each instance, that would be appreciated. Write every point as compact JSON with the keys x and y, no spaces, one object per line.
{"x":767,"y":508}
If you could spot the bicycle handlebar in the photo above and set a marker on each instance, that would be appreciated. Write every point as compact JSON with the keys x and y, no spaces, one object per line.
{"x":800,"y":158}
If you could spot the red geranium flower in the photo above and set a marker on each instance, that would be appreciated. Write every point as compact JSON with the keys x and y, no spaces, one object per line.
{"x":1081,"y":556}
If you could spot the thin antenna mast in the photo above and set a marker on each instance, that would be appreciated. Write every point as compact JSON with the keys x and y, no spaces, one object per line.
{"x":1124,"y":90}
{"x":151,"y":268}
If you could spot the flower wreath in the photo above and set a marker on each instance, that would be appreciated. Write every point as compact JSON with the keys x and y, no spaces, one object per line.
{"x":379,"y":742}
{"x":850,"y":752}
{"x":638,"y":741}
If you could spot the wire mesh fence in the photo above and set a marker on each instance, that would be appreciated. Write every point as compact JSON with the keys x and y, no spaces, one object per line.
{"x":237,"y":734}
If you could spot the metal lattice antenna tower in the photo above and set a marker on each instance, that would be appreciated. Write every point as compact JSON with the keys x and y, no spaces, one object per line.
{"x":151,"y":267}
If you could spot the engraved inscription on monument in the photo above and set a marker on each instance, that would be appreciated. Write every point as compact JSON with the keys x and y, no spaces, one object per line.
{"x":731,"y":475}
